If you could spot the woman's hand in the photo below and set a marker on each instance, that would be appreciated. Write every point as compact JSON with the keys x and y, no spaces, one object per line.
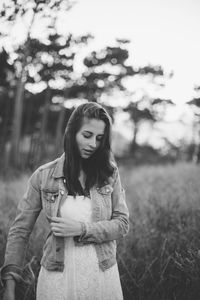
{"x":9,"y":292}
{"x":65,"y":227}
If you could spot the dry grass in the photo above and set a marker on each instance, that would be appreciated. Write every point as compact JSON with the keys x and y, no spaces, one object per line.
{"x":161,"y":249}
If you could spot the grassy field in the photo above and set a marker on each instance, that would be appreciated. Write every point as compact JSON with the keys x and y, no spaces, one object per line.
{"x":160,"y":257}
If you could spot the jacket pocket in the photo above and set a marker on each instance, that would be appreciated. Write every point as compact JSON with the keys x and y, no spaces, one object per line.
{"x":49,"y":198}
{"x":105,"y":190}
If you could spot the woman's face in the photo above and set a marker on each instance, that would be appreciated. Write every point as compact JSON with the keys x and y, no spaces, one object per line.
{"x":89,"y":136}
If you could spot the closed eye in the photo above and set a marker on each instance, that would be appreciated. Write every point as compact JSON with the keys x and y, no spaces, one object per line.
{"x":87,"y":136}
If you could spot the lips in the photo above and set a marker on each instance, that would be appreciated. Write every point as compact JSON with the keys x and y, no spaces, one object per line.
{"x":89,"y":152}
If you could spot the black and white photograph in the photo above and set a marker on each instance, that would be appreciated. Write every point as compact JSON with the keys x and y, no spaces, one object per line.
{"x":99,"y":150}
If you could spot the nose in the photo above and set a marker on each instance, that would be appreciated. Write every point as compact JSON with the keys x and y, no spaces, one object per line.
{"x":93,"y":143}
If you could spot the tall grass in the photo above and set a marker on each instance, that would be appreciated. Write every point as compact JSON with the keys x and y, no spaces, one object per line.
{"x":159,"y":259}
{"x":11,"y":192}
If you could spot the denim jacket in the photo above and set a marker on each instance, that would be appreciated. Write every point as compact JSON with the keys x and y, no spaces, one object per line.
{"x":46,"y":189}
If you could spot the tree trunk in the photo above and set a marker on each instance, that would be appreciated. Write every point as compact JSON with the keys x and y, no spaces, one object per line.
{"x":42,"y":140}
{"x":14,"y":157}
{"x":5,"y":132}
{"x":17,"y":120}
{"x":134,"y":140}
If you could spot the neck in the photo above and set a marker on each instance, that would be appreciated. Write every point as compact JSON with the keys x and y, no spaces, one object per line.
{"x":82,"y":178}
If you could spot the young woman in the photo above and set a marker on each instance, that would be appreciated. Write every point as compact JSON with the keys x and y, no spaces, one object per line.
{"x":84,"y":202}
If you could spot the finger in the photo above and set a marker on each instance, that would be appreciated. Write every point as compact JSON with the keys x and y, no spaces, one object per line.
{"x":57,"y":219}
{"x":54,"y":224}
{"x":58,"y":233}
{"x":56,"y":228}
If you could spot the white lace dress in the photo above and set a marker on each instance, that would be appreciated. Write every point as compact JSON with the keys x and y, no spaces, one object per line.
{"x":82,"y":279}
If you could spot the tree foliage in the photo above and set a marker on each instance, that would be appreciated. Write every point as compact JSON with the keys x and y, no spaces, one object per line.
{"x":146,"y":110}
{"x":43,"y":75}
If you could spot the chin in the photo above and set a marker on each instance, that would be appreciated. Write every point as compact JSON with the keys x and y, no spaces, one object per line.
{"x":85,"y":156}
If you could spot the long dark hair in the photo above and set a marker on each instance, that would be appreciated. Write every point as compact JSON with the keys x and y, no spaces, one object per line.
{"x":99,"y":166}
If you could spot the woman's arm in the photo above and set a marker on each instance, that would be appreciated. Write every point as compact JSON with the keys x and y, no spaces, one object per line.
{"x":27,"y":212}
{"x":117,"y":227}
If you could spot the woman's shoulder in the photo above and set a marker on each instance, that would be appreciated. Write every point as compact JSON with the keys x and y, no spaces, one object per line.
{"x":53,"y":164}
{"x":49,"y":165}
{"x":53,"y":168}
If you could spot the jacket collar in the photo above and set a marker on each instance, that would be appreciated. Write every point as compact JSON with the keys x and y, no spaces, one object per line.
{"x":58,"y":171}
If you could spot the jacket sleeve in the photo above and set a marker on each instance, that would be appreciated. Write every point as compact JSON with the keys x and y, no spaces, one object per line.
{"x":28,"y":210}
{"x":117,"y":227}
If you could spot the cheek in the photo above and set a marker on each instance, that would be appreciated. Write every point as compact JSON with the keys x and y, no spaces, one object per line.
{"x":79,"y":140}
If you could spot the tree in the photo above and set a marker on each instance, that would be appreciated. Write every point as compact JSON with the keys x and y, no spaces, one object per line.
{"x":53,"y":64}
{"x":160,"y":106}
{"x":35,"y":11}
{"x":6,"y":92}
{"x":106,"y":72}
{"x":137,"y":116}
{"x":145,"y":110}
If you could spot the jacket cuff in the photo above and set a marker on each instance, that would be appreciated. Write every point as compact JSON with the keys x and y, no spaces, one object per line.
{"x":10,"y":271}
{"x":83,"y":231}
